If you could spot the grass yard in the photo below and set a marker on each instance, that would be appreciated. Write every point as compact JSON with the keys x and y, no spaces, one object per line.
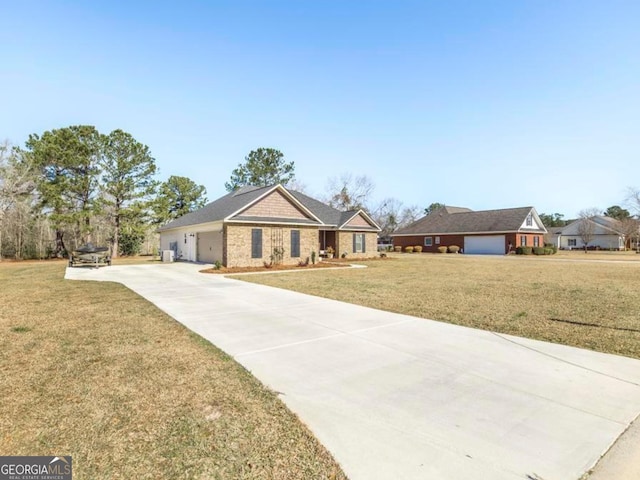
{"x":92,"y":370}
{"x":593,"y":305}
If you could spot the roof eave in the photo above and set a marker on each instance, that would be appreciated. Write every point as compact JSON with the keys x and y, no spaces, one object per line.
{"x":272,"y":222}
{"x":455,"y":233}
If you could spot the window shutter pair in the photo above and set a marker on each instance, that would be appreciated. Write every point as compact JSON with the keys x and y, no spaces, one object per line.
{"x":361,"y":237}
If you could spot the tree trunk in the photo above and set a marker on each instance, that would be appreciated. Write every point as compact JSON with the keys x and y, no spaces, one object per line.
{"x":60,"y":248}
{"x":87,"y":225}
{"x":116,"y":235}
{"x":18,"y":235}
{"x":19,"y":242}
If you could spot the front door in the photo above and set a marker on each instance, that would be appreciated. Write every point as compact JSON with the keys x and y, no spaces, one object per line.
{"x":191,"y":247}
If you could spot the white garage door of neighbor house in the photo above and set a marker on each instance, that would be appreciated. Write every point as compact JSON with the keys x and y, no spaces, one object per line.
{"x":489,"y":245}
{"x":208,"y":246}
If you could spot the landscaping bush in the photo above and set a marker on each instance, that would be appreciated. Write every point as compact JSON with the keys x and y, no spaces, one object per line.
{"x":524,"y":250}
{"x":548,"y":251}
{"x":453,"y":249}
{"x":397,"y":248}
{"x":442,"y":249}
{"x":304,"y":263}
{"x":538,"y":250}
{"x":408,"y":249}
{"x":417,"y":248}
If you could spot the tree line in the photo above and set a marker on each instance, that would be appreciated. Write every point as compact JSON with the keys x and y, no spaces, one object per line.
{"x":74,"y":185}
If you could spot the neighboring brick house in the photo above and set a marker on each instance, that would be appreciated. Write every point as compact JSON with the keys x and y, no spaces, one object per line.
{"x":254,"y":225}
{"x":482,"y":232}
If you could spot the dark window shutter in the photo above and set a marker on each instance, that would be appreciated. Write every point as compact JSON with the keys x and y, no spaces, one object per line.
{"x":364,"y":243}
{"x":295,"y":243}
{"x":256,"y":243}
{"x":354,"y":243}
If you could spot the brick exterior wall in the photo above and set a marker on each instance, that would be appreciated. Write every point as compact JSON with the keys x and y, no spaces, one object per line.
{"x":448,"y":240}
{"x":345,"y":244}
{"x":274,"y":205}
{"x":445,"y":241}
{"x":514,"y":238}
{"x":237,"y":244}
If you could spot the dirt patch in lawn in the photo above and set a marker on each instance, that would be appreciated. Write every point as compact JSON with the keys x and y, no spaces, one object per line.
{"x":92,"y":370}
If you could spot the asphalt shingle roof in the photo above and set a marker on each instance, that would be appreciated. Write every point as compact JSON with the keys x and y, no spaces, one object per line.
{"x":327,"y":214}
{"x":608,"y":222}
{"x":461,"y":221}
{"x":221,"y":208}
{"x":218,"y":209}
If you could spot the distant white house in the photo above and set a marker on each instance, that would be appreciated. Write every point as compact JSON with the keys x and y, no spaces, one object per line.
{"x":606,"y":234}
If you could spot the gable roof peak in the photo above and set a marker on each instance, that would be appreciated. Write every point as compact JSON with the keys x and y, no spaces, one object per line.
{"x":247,"y":189}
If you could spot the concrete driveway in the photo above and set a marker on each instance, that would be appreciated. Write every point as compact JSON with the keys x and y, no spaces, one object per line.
{"x":397,"y":397}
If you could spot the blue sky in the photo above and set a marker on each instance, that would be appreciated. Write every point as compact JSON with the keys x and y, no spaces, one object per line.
{"x":483,"y":104}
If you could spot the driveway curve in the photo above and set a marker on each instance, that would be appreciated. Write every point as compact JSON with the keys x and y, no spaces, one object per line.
{"x":398,"y":397}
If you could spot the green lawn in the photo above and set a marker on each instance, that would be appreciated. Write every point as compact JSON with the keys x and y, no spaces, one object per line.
{"x":94,"y":371}
{"x":561,"y":299}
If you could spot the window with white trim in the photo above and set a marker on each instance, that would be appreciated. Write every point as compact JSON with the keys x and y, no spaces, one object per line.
{"x":529,"y":222}
{"x":358,"y":243}
{"x":536,"y":241}
{"x":523,"y":240}
{"x":437,"y":240}
{"x":428,"y":241}
{"x":572,"y":242}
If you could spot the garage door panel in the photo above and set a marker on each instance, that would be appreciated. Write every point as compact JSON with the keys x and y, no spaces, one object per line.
{"x":485,"y":245}
{"x":209,"y":247}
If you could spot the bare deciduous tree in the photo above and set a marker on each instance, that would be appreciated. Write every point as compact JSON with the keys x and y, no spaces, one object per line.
{"x":348,"y":192}
{"x":16,"y":187}
{"x":409,"y":215}
{"x":630,"y":228}
{"x":633,"y":200}
{"x":587,"y":227}
{"x":387,"y":215}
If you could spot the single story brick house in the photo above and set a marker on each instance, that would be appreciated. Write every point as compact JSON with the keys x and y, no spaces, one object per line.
{"x":254,"y":225}
{"x":483,"y":232}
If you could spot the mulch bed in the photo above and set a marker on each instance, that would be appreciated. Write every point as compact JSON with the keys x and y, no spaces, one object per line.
{"x":333,"y":263}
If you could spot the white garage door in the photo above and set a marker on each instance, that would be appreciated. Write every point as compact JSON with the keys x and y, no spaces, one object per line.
{"x":209,"y":246}
{"x":487,"y":245}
